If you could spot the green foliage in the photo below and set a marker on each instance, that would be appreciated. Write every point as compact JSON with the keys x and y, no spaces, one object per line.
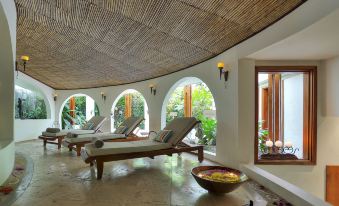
{"x":262,"y":136}
{"x":138,"y":109}
{"x":80,"y":103}
{"x":209,"y":131}
{"x":32,"y":105}
{"x":202,"y":99}
{"x":175,"y":104}
{"x":119,"y":112}
{"x":80,"y":113}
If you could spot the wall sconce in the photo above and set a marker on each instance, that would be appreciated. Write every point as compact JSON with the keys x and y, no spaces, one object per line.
{"x":103,"y":96}
{"x":55,"y":96}
{"x":24,"y":59}
{"x":153,"y":89}
{"x":223,"y":71}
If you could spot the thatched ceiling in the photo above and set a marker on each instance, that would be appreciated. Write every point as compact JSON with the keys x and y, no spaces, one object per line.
{"x":92,"y":43}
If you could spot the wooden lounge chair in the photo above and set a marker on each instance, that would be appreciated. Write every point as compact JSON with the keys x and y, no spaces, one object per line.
{"x":130,"y":123}
{"x":50,"y":137}
{"x":113,"y":151}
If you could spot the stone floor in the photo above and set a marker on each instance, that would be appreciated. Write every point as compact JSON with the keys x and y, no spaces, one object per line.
{"x":61,"y":178}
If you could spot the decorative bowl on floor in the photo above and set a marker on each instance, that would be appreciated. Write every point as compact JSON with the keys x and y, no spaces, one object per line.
{"x":218,"y":179}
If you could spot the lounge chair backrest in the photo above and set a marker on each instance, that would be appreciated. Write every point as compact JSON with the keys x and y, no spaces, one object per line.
{"x":180,"y":128}
{"x":131,"y":123}
{"x":97,"y":122}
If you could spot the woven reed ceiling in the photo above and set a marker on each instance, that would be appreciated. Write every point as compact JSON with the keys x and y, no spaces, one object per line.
{"x":91,"y":43}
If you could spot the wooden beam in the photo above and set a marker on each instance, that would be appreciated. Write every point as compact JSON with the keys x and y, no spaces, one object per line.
{"x":264,"y":107}
{"x":188,"y":101}
{"x":277,"y":105}
{"x":128,"y":105}
{"x":72,"y":108}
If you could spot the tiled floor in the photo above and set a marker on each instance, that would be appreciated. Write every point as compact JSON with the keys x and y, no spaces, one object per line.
{"x":61,"y":178}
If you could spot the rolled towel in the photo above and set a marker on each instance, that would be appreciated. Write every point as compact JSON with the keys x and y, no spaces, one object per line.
{"x":98,"y":143}
{"x":53,"y":130}
{"x":71,"y":135}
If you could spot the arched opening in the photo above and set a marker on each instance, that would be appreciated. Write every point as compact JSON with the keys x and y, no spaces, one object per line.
{"x":130,"y":103}
{"x":191,"y":97}
{"x":76,"y":110}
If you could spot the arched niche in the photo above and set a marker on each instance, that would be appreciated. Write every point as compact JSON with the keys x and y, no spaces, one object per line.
{"x":190,"y":96}
{"x":91,"y":109}
{"x":37,"y":92}
{"x":138,"y":106}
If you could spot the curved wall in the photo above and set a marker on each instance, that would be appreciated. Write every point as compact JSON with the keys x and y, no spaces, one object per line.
{"x":7,"y":56}
{"x":26,"y":129}
{"x":234,"y":100}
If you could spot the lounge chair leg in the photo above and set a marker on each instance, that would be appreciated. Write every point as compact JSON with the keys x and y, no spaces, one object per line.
{"x":78,"y":148}
{"x":100,"y":169}
{"x":201,"y":154}
{"x":59,"y":142}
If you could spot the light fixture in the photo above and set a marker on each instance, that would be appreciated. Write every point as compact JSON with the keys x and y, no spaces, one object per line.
{"x":55,"y":96}
{"x":103,"y":96}
{"x":153,"y":89}
{"x":24,"y":60}
{"x":222,"y":71}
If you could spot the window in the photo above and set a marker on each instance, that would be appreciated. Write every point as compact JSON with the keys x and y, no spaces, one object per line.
{"x":285,"y":115}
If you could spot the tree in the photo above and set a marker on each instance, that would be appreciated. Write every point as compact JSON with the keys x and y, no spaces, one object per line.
{"x":202,"y":99}
{"x":119,"y":112}
{"x":175,"y":104}
{"x":138,"y":107}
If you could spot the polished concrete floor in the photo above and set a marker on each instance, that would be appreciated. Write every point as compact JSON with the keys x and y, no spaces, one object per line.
{"x":61,"y":178}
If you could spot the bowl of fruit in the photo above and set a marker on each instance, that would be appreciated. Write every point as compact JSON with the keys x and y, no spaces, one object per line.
{"x":218,"y":179}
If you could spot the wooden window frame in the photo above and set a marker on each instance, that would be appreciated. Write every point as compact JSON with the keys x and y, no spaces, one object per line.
{"x":310,"y":132}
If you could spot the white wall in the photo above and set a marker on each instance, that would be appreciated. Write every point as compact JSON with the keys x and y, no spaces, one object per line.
{"x":27,"y":129}
{"x":235,"y":104}
{"x":310,"y":178}
{"x":90,"y":105}
{"x":7,"y":57}
{"x":206,"y":71}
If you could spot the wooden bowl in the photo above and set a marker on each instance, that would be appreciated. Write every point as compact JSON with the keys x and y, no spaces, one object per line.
{"x":218,"y":187}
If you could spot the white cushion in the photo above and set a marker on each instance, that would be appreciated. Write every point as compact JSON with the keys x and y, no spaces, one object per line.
{"x":65,"y":131}
{"x":89,"y":137}
{"x":126,"y":147}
